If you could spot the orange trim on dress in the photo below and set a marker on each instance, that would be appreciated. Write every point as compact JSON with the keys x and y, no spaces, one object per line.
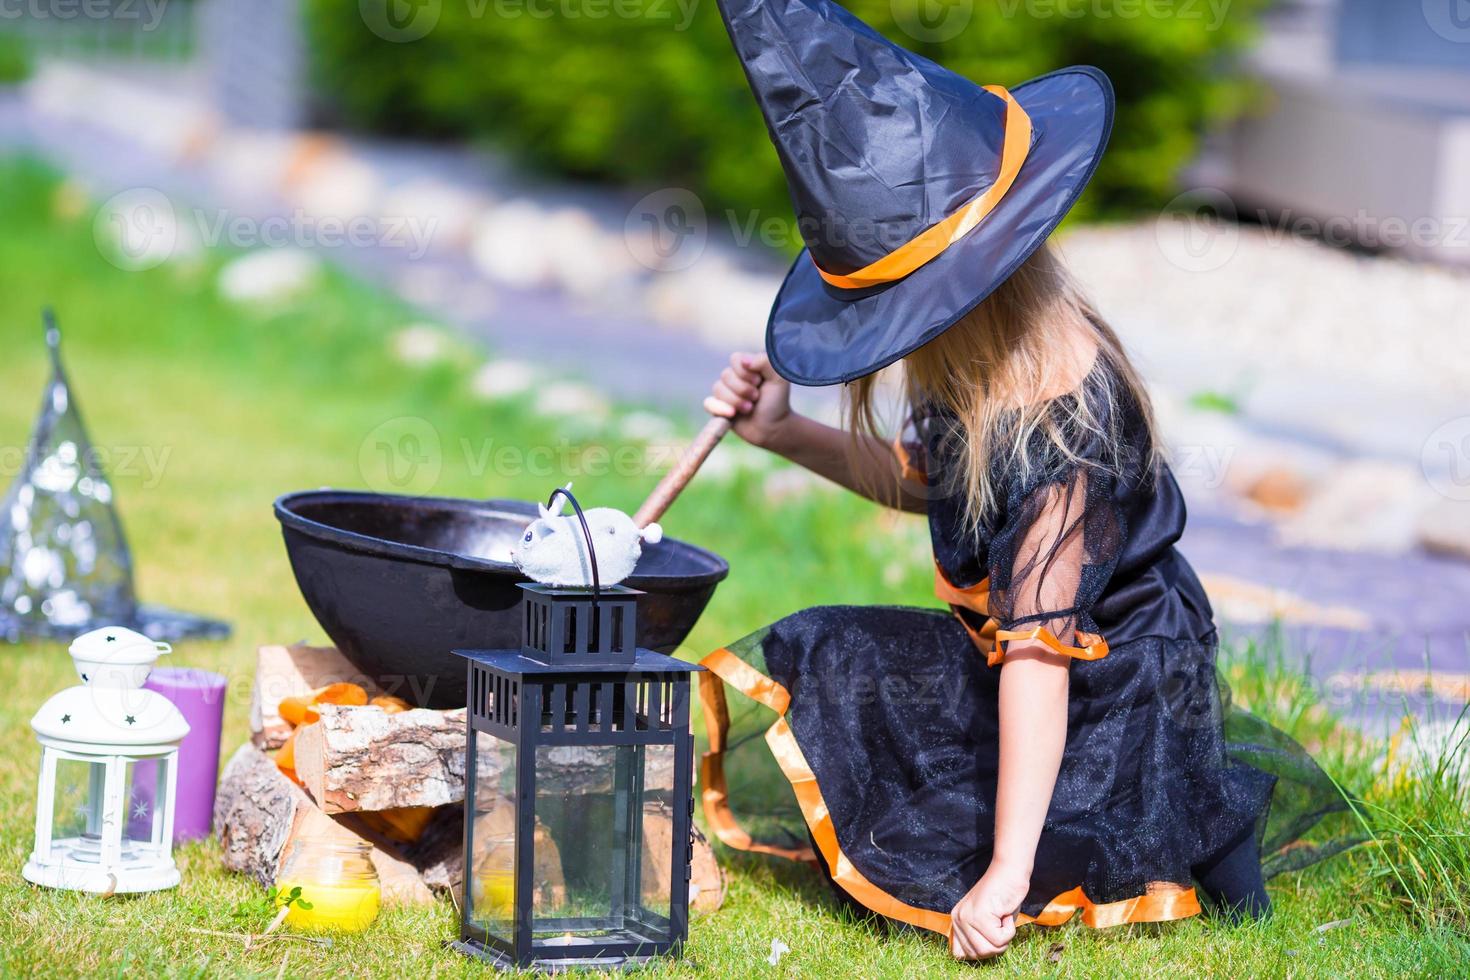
{"x":1096,"y":648}
{"x":1164,"y":901}
{"x":714,"y":792}
{"x":907,"y":471}
{"x":991,"y":639}
{"x":932,"y":241}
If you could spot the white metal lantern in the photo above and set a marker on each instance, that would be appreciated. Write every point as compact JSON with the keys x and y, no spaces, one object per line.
{"x":109,"y":769}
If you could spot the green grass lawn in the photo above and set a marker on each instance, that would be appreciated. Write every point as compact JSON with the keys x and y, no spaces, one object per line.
{"x":222,"y":408}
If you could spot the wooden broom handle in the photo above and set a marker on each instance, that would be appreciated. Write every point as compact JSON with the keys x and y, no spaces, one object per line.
{"x":677,"y":478}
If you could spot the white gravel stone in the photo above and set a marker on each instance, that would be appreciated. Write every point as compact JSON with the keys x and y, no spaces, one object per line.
{"x":1362,"y":505}
{"x":572,"y":399}
{"x":1237,"y":600}
{"x":587,"y":261}
{"x":727,"y":306}
{"x":502,"y":379}
{"x":338,"y":186}
{"x":269,"y":276}
{"x":1444,"y":528}
{"x":449,"y":211}
{"x":512,"y":245}
{"x":420,"y":345}
{"x":1426,"y":744}
{"x":645,"y":427}
{"x":1354,"y":359}
{"x":168,"y":121}
{"x":1216,"y":457}
{"x":251,"y":165}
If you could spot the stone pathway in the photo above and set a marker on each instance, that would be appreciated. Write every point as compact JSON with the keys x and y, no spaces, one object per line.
{"x":1407,"y":611}
{"x":1415,"y":606}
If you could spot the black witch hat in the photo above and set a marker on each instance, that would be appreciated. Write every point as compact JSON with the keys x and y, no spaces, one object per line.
{"x":917,"y":192}
{"x":65,"y":565}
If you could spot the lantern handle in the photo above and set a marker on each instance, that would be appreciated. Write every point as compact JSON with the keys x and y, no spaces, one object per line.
{"x":586,"y":533}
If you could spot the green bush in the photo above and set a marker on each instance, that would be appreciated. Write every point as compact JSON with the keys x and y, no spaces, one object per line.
{"x":15,"y":65}
{"x":659,"y":98}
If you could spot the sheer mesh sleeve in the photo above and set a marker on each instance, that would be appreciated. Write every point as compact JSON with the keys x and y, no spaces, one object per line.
{"x":1055,"y":553}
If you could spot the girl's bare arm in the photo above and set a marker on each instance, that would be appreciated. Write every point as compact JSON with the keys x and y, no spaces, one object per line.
{"x":1034,"y":684}
{"x":1033,"y":731}
{"x":758,"y":402}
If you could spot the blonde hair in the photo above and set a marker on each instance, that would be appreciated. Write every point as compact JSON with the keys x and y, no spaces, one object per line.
{"x":1007,"y":374}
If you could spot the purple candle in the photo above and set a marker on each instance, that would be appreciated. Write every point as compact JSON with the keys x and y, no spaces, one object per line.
{"x":200,"y":695}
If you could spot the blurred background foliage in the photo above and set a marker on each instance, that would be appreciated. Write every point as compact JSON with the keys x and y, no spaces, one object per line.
{"x":659,"y":98}
{"x":15,"y":60}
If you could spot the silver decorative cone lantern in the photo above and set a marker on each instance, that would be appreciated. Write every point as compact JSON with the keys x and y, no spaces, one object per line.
{"x":65,"y":567}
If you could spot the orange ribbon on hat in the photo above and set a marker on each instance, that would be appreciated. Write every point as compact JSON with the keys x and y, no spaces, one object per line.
{"x":929,"y":243}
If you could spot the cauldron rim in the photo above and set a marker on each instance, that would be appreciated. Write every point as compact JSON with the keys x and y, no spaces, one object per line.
{"x":286,"y":513}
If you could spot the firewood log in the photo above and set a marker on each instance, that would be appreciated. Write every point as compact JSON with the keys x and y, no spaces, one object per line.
{"x":363,"y":758}
{"x":293,"y":671}
{"x":259,"y":814}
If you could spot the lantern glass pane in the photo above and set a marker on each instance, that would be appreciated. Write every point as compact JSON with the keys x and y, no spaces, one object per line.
{"x":657,"y":837}
{"x":607,"y":809}
{"x":147,"y":797}
{"x":76,"y":816}
{"x":492,"y":838}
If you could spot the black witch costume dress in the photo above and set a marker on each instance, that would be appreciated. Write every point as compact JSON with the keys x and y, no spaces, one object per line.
{"x":888,"y":725}
{"x":917,"y":192}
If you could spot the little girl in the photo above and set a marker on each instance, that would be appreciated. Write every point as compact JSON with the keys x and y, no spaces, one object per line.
{"x":1056,"y":743}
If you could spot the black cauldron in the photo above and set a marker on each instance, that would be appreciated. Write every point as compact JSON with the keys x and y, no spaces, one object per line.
{"x":400,"y":582}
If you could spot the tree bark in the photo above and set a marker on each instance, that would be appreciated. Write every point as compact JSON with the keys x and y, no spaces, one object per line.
{"x":293,"y":671}
{"x":259,"y":814}
{"x":363,"y":758}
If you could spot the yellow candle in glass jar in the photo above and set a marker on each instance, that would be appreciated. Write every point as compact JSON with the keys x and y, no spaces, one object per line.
{"x":348,"y":906}
{"x":337,"y":882}
{"x":495,"y":893}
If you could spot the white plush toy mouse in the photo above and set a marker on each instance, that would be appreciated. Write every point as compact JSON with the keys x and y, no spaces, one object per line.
{"x":552,"y":550}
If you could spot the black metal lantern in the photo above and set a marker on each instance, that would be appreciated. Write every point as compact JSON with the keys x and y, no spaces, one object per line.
{"x":578,"y":788}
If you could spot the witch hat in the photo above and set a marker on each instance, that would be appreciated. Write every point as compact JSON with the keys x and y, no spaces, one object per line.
{"x":65,"y":565}
{"x":917,"y":192}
